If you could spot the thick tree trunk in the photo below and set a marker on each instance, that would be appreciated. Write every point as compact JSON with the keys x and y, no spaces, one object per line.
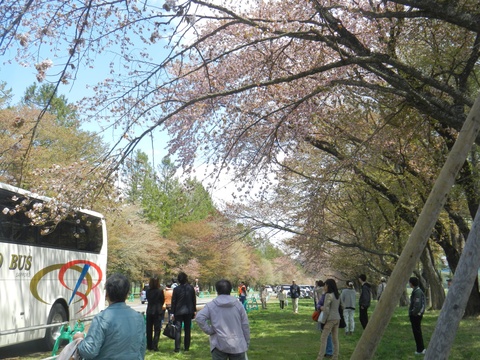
{"x":418,"y":239}
{"x":436,"y":292}
{"x":458,"y":296}
{"x":473,"y":304}
{"x":404,"y":300}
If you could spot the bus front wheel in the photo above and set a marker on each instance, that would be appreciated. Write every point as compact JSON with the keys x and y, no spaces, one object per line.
{"x":57,"y":315}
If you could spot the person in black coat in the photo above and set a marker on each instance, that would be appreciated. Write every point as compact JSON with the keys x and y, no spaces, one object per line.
{"x":365,"y":299}
{"x":184,"y":307}
{"x":155,"y":314}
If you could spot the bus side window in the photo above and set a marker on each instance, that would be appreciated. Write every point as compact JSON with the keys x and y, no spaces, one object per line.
{"x":5,"y":227}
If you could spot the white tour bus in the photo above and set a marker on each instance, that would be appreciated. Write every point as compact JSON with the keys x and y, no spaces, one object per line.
{"x":47,"y":276}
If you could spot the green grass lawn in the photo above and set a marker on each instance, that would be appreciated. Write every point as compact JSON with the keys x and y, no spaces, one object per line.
{"x":279,"y":335}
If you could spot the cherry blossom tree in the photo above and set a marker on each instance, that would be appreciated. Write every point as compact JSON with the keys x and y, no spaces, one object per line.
{"x":246,"y":85}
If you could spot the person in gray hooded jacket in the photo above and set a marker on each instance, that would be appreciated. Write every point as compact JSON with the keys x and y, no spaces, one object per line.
{"x":226,"y":321}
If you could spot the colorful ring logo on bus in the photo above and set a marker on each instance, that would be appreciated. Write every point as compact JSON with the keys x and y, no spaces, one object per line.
{"x":84,"y":278}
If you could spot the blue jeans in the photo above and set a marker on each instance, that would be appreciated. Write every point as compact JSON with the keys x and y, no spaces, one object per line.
{"x":329,"y":350}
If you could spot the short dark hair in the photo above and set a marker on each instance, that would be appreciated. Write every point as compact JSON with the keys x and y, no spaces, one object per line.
{"x":182,"y":277}
{"x":362,"y":277}
{"x":223,"y":287}
{"x":414,"y":281}
{"x":117,"y":287}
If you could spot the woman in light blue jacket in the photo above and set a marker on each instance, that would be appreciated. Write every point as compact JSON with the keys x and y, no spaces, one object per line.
{"x":118,"y":332}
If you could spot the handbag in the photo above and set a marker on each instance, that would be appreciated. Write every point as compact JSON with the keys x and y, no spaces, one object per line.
{"x":170,"y":330}
{"x":315,"y":315}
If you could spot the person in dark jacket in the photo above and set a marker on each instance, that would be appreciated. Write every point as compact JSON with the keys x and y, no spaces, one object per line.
{"x":184,"y":304}
{"x":155,"y":314}
{"x":415,"y":312}
{"x":294,"y":294}
{"x":365,"y":299}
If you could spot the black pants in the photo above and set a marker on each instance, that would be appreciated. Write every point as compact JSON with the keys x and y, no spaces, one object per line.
{"x":364,"y":316}
{"x":282,"y":304}
{"x":187,"y":327}
{"x":154,"y":324}
{"x":416,"y":322}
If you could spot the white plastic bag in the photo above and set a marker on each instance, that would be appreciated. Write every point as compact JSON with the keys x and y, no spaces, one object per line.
{"x":70,"y":352}
{"x":320,"y":317}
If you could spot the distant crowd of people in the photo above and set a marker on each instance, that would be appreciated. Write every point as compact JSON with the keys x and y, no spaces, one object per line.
{"x":336,"y":307}
{"x":122,"y":333}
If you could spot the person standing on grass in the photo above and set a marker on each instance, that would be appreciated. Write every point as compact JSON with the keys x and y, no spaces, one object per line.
{"x":264,"y":296}
{"x":184,"y":304}
{"x":365,"y":299}
{"x":348,"y":300}
{"x":317,"y":292}
{"x":329,"y":349}
{"x":331,"y":319}
{"x":226,"y":321}
{"x":415,"y":312}
{"x":242,"y":294}
{"x":282,"y":297}
{"x":294,"y":294}
{"x":381,"y":287}
{"x":167,"y":305}
{"x":154,"y":313}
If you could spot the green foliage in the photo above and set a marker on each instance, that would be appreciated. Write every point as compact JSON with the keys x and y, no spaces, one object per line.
{"x":44,"y":97}
{"x":164,"y":198}
{"x":137,"y":172}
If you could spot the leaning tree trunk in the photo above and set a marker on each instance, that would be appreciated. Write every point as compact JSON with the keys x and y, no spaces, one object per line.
{"x":453,"y":257}
{"x":422,"y":230}
{"x":437,"y":294}
{"x":458,"y":296}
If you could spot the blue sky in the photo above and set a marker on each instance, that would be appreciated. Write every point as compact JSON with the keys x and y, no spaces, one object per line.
{"x":18,"y":78}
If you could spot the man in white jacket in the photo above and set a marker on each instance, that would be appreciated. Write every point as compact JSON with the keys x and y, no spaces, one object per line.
{"x":225,"y":320}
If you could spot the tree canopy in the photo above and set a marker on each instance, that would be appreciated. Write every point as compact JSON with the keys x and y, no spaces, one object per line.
{"x":352,"y":105}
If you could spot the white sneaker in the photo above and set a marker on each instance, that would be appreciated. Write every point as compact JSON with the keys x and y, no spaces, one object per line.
{"x":421,"y":353}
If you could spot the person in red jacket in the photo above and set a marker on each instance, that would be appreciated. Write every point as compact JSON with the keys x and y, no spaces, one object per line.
{"x":242,"y":293}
